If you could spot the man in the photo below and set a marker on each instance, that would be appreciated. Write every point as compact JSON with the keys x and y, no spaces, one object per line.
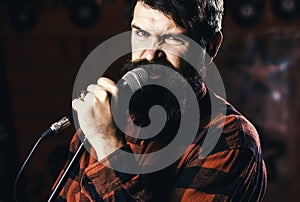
{"x":233,"y":170}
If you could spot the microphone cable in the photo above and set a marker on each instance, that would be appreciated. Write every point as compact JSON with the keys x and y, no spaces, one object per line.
{"x":22,"y":168}
{"x":55,"y":128}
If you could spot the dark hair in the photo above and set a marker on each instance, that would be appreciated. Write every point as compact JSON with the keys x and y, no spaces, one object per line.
{"x":200,"y":18}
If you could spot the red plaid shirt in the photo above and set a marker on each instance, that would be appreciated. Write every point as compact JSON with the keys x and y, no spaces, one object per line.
{"x":233,"y":171}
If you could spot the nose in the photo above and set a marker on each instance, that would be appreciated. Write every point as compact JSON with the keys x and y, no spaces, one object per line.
{"x":154,"y":54}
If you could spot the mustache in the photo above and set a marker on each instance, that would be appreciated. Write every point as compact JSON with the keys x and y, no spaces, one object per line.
{"x":185,"y":69}
{"x":150,"y":65}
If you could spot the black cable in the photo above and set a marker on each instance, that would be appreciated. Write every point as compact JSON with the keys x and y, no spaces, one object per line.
{"x":22,"y":168}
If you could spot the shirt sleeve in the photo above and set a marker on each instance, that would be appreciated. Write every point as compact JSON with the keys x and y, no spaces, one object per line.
{"x":101,"y":182}
{"x":92,"y":180}
{"x":229,"y":175}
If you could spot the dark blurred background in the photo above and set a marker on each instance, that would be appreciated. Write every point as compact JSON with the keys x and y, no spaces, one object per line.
{"x":44,"y":42}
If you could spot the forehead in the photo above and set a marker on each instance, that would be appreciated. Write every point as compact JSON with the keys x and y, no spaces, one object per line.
{"x":148,"y":18}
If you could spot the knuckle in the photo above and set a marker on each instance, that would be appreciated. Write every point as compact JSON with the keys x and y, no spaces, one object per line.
{"x":91,"y":88}
{"x":114,"y":90}
{"x":101,"y":95}
{"x":100,"y":80}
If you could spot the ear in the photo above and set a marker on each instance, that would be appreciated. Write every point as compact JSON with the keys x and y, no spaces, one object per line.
{"x":214,"y":44}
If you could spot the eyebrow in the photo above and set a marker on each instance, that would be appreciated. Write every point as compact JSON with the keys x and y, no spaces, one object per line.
{"x":135,"y":27}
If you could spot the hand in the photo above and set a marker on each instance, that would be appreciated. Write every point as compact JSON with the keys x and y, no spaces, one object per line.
{"x":95,"y":117}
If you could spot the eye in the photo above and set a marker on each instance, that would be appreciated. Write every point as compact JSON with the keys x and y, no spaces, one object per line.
{"x":141,"y":34}
{"x":172,"y":40}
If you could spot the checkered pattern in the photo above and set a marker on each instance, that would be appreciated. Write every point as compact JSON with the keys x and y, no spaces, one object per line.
{"x":233,"y":171}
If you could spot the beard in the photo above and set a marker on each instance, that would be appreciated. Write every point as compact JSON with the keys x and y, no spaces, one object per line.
{"x":146,"y":97}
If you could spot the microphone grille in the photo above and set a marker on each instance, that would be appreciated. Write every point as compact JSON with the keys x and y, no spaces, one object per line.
{"x":136,"y":78}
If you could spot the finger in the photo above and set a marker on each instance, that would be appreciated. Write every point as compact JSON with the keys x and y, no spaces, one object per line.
{"x":99,"y":92}
{"x":89,"y":98}
{"x":109,"y":85}
{"x":91,"y":88}
{"x":77,"y":104}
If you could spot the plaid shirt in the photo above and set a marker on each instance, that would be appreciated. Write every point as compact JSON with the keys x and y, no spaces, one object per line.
{"x":233,"y":171}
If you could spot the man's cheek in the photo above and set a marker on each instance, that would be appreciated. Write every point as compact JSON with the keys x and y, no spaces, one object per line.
{"x":135,"y":55}
{"x":174,"y":60}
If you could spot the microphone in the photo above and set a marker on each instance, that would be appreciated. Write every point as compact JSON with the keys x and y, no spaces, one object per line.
{"x":134,"y":79}
{"x":131,"y":81}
